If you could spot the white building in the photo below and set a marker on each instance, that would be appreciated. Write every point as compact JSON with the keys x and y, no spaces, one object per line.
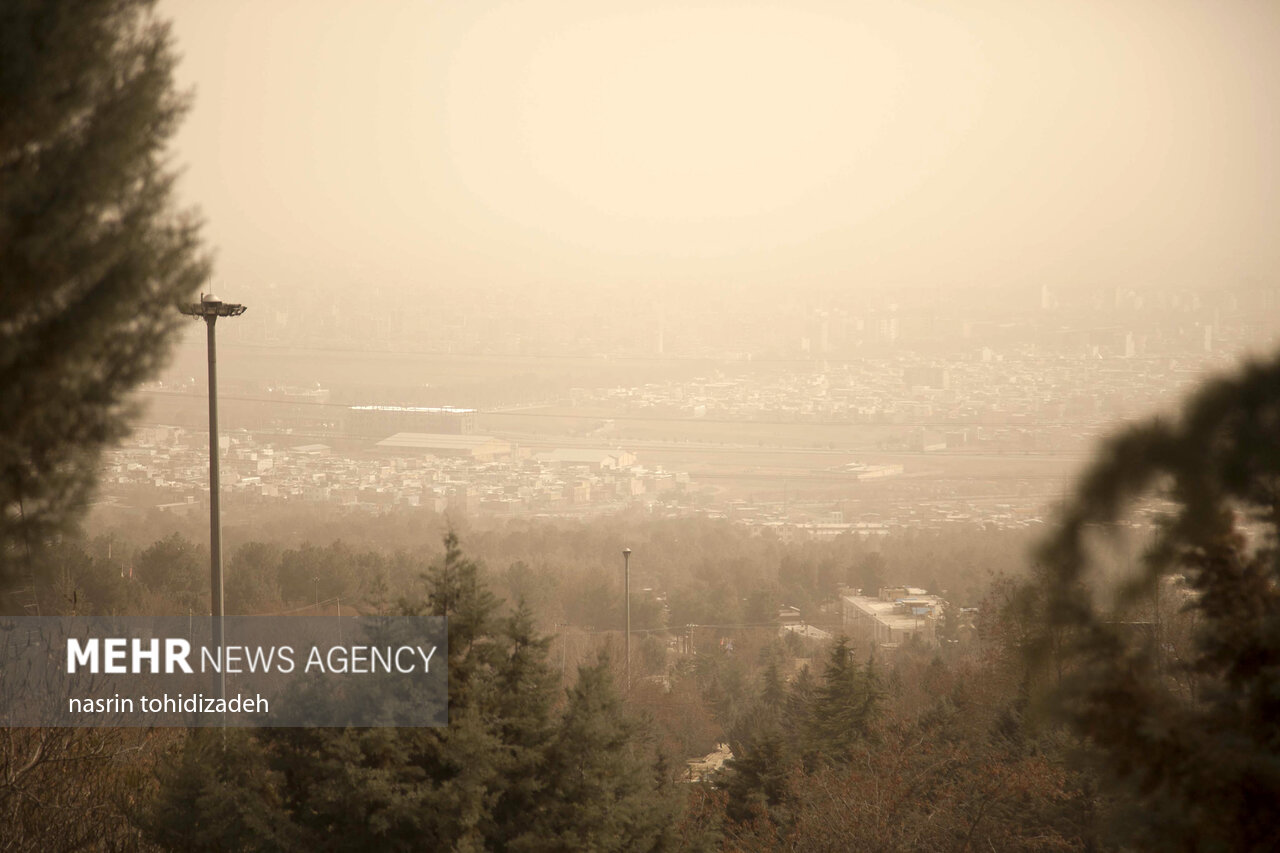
{"x":897,"y":615}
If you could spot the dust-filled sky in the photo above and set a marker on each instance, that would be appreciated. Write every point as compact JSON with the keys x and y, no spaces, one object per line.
{"x":957,"y":142}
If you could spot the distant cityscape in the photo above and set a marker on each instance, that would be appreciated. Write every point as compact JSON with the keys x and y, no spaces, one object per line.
{"x":718,"y":323}
{"x":903,"y":417}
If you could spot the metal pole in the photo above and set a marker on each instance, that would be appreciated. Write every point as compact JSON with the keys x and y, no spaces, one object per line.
{"x":215,"y":516}
{"x":626,"y":582}
{"x":210,"y":308}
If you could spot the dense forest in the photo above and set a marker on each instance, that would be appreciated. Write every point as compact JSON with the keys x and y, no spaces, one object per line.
{"x":539,"y":724}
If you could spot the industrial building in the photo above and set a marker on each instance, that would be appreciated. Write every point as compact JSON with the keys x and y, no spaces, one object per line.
{"x":596,"y":460}
{"x":381,"y":421}
{"x":896,"y":615}
{"x":483,"y":447}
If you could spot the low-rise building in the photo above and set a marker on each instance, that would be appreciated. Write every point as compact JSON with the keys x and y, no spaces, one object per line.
{"x":447,"y":444}
{"x":896,"y":615}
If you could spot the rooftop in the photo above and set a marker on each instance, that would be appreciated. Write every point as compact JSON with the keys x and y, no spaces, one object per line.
{"x":440,"y":441}
{"x":592,"y":457}
{"x":450,"y":410}
{"x":897,"y":614}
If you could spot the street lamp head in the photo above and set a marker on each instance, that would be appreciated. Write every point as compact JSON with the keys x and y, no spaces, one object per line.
{"x":211,"y":306}
{"x":626,"y":552}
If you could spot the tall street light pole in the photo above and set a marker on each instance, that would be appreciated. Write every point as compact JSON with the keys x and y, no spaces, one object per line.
{"x":210,"y":308}
{"x":626,"y":585}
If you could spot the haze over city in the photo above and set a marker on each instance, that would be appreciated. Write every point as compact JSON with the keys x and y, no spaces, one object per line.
{"x":798,"y":147}
{"x":956,"y":230}
{"x":797,"y":425}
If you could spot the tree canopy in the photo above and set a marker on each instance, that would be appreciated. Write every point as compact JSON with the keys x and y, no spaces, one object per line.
{"x":93,"y":254}
{"x":515,"y":769}
{"x":1173,"y":673}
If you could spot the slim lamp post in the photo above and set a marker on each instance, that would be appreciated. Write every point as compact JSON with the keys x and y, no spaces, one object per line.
{"x":626,"y":585}
{"x":210,"y":308}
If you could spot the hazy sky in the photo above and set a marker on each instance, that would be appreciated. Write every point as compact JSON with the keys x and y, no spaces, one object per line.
{"x":735,"y":143}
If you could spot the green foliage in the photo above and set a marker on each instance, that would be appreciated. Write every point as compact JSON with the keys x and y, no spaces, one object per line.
{"x":526,"y":692}
{"x":508,"y":772}
{"x":761,"y":607}
{"x":808,"y":725}
{"x":93,"y":259}
{"x":219,"y":793}
{"x":964,"y":772}
{"x":845,"y":705}
{"x":456,"y":592}
{"x":605,"y":790}
{"x":79,"y":582}
{"x":1191,"y":743}
{"x":251,"y":579}
{"x":569,"y":572}
{"x":177,"y":569}
{"x":949,"y":625}
{"x":868,"y":573}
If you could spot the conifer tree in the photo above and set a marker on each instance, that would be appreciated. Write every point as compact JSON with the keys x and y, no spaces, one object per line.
{"x":757,"y":778}
{"x":800,"y":700}
{"x":773,"y":695}
{"x":218,"y":795}
{"x":456,"y":592}
{"x":507,"y":773}
{"x":525,"y":688}
{"x":1197,"y":761}
{"x":765,"y":750}
{"x":845,"y":704}
{"x":93,"y":256}
{"x":606,"y":790}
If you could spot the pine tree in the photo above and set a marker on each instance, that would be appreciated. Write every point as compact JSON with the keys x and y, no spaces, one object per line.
{"x":773,"y":694}
{"x":524,"y":696}
{"x":396,"y":788}
{"x":845,"y":704}
{"x":93,"y":258}
{"x":1196,"y":761}
{"x":174,"y":567}
{"x":218,"y":795}
{"x":766,"y":751}
{"x":507,"y":773}
{"x":757,"y":779}
{"x":800,"y":702}
{"x":606,"y":791}
{"x":456,"y":592}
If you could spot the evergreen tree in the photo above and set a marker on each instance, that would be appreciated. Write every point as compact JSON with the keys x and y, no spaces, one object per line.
{"x":93,"y":258}
{"x":773,"y":694}
{"x":949,"y":625}
{"x":175,"y":567}
{"x":845,"y":704}
{"x":507,"y":773}
{"x":765,"y":748}
{"x":219,"y":795}
{"x":606,"y":789}
{"x":1197,"y":760}
{"x":800,"y":701}
{"x":456,"y":592}
{"x":757,"y":778}
{"x":525,"y":688}
{"x":252,"y":578}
